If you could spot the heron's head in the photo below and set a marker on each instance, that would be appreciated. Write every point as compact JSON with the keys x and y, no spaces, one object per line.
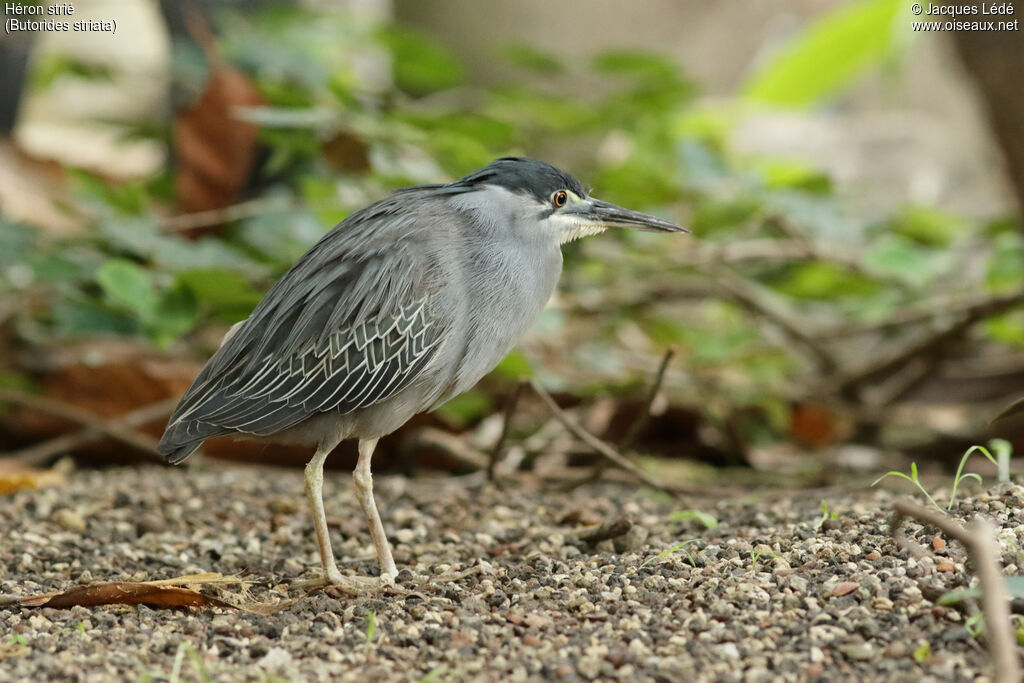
{"x":557,"y":202}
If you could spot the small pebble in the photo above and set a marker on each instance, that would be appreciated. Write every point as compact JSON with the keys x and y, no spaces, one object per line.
{"x":844,"y":588}
{"x":547,"y":607}
{"x":68,"y":519}
{"x":896,"y":650}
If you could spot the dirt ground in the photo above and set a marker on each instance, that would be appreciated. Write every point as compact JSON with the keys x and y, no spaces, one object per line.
{"x":497,"y":584}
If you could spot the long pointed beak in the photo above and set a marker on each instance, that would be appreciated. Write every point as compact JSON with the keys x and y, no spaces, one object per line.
{"x":606,"y":215}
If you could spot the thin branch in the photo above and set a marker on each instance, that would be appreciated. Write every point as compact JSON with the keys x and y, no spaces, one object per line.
{"x":848,"y":382}
{"x":203,"y":219}
{"x":926,"y":312}
{"x":644,"y":417}
{"x":980,"y":540}
{"x":452,"y":445}
{"x":749,"y":297}
{"x":510,"y":410}
{"x":247,"y":209}
{"x":916,"y":372}
{"x":597,"y":444}
{"x":778,"y":250}
{"x":713,"y":253}
{"x":120,"y":428}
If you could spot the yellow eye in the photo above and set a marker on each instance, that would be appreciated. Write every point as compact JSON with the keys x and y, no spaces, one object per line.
{"x":559,"y":198}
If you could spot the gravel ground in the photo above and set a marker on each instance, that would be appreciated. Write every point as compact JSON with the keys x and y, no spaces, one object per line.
{"x":772,"y":593}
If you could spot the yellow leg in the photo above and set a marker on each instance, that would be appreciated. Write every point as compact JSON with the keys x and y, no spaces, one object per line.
{"x":315,"y":494}
{"x":364,"y":491}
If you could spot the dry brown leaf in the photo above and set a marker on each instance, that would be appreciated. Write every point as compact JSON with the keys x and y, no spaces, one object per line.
{"x":123,"y":593}
{"x":119,"y":377}
{"x":215,"y":150}
{"x":346,"y":152}
{"x":14,"y":476}
{"x":175,"y":592}
{"x":813,"y":426}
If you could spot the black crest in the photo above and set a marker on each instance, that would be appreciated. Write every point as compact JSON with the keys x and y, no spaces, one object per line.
{"x":524,"y":176}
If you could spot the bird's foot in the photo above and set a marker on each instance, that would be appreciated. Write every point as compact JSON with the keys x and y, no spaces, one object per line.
{"x":443,"y":578}
{"x":387,"y":579}
{"x":356,"y":585}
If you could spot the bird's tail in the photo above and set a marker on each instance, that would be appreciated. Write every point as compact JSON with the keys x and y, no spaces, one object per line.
{"x":176,"y":454}
{"x":181,"y":440}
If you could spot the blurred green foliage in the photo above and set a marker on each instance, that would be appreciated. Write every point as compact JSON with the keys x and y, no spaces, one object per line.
{"x":841,"y":45}
{"x":641,"y":139}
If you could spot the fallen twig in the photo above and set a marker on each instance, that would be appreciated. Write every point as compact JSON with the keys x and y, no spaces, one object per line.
{"x":980,"y":540}
{"x":510,"y":410}
{"x":608,"y":530}
{"x":119,"y":428}
{"x":453,"y":446}
{"x":638,"y":424}
{"x":644,"y":417}
{"x":597,"y":444}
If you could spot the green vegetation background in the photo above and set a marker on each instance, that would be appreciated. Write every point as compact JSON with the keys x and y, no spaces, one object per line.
{"x":824,"y":274}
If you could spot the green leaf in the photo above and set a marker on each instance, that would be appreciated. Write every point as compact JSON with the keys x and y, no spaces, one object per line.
{"x":129,"y":198}
{"x":371,"y":626}
{"x":636,"y":64}
{"x":230,"y":295}
{"x":467,"y":408}
{"x":514,"y":366}
{"x":16,"y":380}
{"x":141,"y":237}
{"x":69,"y":265}
{"x":488,"y":130}
{"x":53,"y":66}
{"x":283,"y":236}
{"x":828,"y":55}
{"x":825,"y":281}
{"x":1014,"y":587}
{"x":548,"y":114}
{"x":704,"y":518}
{"x":16,"y":240}
{"x":128,"y":285}
{"x":927,"y":225}
{"x":896,"y":256}
{"x":175,"y":313}
{"x":1006,"y":265}
{"x":723,"y":214}
{"x":1007,"y":328}
{"x":458,"y":153}
{"x":668,"y":551}
{"x":434,"y":674}
{"x":532,"y":59}
{"x":77,"y":317}
{"x":784,"y":173}
{"x":421,"y":65}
